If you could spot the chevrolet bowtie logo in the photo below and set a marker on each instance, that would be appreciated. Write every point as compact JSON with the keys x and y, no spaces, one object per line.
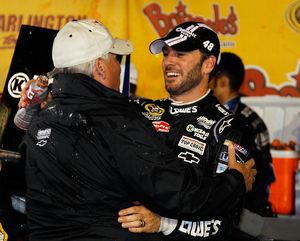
{"x":189,"y":157}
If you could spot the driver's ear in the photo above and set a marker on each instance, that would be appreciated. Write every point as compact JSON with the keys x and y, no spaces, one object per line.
{"x":209,"y":64}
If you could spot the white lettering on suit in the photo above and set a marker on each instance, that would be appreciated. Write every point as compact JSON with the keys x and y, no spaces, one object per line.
{"x":177,"y":110}
{"x":200,"y":228}
{"x":192,"y":144}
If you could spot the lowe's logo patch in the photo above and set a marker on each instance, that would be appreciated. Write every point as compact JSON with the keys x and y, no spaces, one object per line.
{"x":183,"y":110}
{"x":205,"y":228}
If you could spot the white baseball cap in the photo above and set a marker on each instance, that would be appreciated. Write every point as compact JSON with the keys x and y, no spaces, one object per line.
{"x":81,"y":41}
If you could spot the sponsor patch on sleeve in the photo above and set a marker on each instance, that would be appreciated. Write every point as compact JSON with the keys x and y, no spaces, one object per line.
{"x":241,"y":155}
{"x":225,"y":124}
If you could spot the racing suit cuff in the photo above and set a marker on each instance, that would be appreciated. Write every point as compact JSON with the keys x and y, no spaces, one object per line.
{"x":167,"y":225}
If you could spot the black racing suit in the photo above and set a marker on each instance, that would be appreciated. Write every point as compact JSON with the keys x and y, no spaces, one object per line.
{"x":197,"y":132}
{"x":91,"y":153}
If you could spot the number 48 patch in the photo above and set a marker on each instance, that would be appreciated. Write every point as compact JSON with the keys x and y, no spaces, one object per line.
{"x":208,"y":45}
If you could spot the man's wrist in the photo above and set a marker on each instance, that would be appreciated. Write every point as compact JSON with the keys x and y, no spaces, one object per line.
{"x":167,"y":225}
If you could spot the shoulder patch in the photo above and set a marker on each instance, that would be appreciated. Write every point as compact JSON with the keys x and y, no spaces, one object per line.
{"x":224,"y":125}
{"x":222,"y":109}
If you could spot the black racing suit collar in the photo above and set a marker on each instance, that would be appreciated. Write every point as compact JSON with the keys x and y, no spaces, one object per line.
{"x":180,"y":103}
{"x":176,"y":108}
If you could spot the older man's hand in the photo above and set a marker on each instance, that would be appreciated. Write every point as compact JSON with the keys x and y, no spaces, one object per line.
{"x":139,"y":219}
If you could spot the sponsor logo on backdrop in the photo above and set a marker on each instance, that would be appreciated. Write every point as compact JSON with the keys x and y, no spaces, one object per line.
{"x":256,"y":80}
{"x":293,"y":15}
{"x":293,"y":77}
{"x":16,"y":84}
{"x":257,"y":83}
{"x":10,"y":25}
{"x":163,"y":22}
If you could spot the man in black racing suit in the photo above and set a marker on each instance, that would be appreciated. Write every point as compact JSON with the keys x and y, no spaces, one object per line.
{"x":198,"y":131}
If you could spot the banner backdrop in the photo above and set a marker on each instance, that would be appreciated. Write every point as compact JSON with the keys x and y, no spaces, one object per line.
{"x":265,"y":34}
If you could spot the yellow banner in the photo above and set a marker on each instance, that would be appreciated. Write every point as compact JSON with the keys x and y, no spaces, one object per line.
{"x":54,"y":14}
{"x":266,"y":34}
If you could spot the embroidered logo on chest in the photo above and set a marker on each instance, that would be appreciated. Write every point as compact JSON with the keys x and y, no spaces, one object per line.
{"x":198,"y":132}
{"x":192,"y":144}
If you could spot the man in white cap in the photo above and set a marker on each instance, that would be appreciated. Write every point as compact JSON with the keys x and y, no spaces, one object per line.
{"x":90,"y":152}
